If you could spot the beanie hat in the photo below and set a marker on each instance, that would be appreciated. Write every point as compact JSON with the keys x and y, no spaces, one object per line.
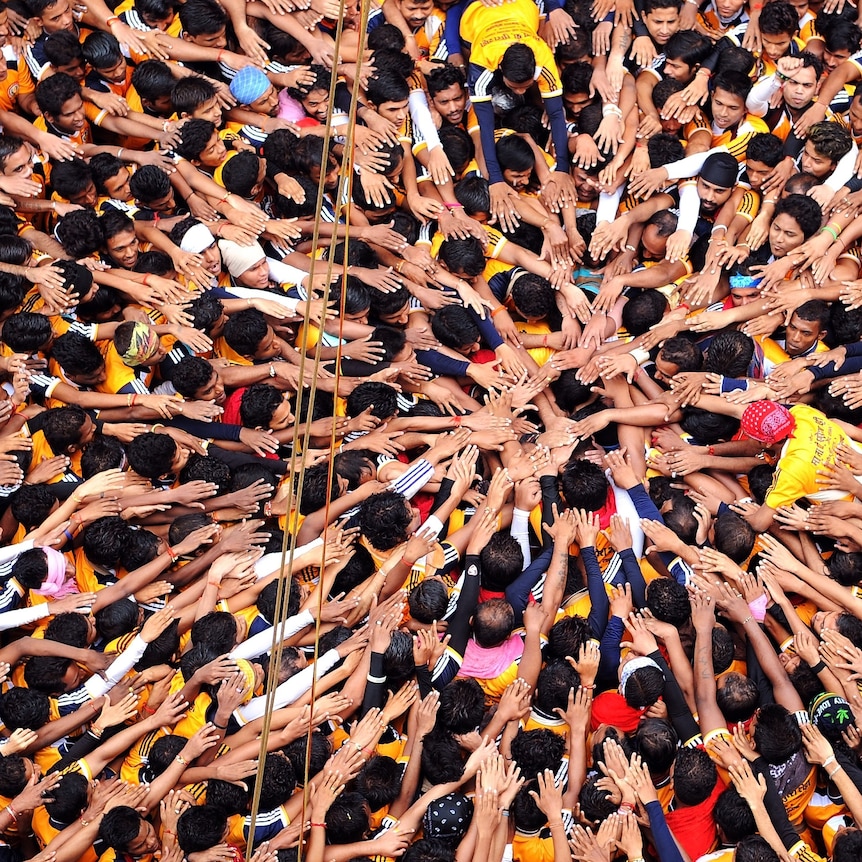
{"x":250,"y":83}
{"x":448,"y":817}
{"x":830,"y":714}
{"x":237,"y":258}
{"x":767,"y":422}
{"x":721,"y":169}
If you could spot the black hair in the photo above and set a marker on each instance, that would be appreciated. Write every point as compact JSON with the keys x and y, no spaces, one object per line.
{"x":101,"y":50}
{"x":151,"y":455}
{"x":240,"y":174}
{"x":779,"y":17}
{"x":194,"y":136}
{"x":737,"y":697}
{"x":755,"y":848}
{"x":644,"y":310}
{"x":379,"y":781}
{"x":567,"y":636}
{"x":216,"y":630}
{"x":120,"y":826}
{"x":22,"y":707}
{"x":537,"y":750}
{"x":115,"y":222}
{"x":733,"y":816}
{"x":734,"y":82}
{"x":26,"y":332}
{"x":462,"y":256}
{"x":201,"y":827}
{"x":149,"y":183}
{"x":799,"y":207}
{"x":519,"y":63}
{"x":533,"y":296}
{"x":584,"y":485}
{"x":104,"y":540}
{"x":68,"y":804}
{"x":190,"y":93}
{"x":153,"y":79}
{"x":730,"y":353}
{"x":116,"y":619}
{"x":493,"y":622}
{"x":656,"y":741}
{"x":52,"y":93}
{"x":668,"y":601}
{"x":258,"y":405}
{"x":733,"y":536}
{"x":320,"y":748}
{"x":381,"y":396}
{"x":555,"y":682}
{"x":62,"y":48}
{"x":765,"y":147}
{"x":502,"y":561}
{"x":683,"y":353}
{"x":776,"y":734}
{"x":689,"y":47}
{"x":694,"y":776}
{"x":79,"y":232}
{"x":347,"y":819}
{"x":202,"y":17}
{"x":103,"y":453}
{"x":387,"y":85}
{"x":427,"y":601}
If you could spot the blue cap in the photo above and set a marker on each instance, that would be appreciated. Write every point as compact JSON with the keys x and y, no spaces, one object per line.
{"x":248,"y":84}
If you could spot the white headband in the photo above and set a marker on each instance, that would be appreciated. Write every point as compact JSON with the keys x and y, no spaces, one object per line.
{"x":631,"y":666}
{"x":197,"y":239}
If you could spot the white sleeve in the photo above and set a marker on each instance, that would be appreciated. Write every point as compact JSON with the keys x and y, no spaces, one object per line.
{"x":270,"y":563}
{"x":22,"y":616}
{"x":412,"y":481}
{"x":290,"y":690}
{"x":843,"y":170}
{"x":520,"y":531}
{"x":262,"y":642}
{"x":608,"y":205}
{"x":421,"y":116}
{"x":690,"y":166}
{"x":96,"y":686}
{"x":252,"y":293}
{"x":689,"y":207}
{"x":757,"y":102}
{"x":10,"y":553}
{"x":284,"y":273}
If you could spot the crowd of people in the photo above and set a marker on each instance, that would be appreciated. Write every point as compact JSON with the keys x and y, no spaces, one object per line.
{"x":430,"y":429}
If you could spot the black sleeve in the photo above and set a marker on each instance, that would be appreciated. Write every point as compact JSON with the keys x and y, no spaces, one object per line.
{"x":677,"y":709}
{"x":755,"y":672}
{"x":237,"y":459}
{"x":85,"y":744}
{"x":459,"y":622}
{"x":206,"y":430}
{"x":375,"y":685}
{"x":550,"y":495}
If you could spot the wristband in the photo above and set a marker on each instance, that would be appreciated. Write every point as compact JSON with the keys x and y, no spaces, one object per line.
{"x":318,"y":825}
{"x":830,"y":759}
{"x":220,"y":726}
{"x":457,"y":420}
{"x":819,"y":667}
{"x":497,"y":310}
{"x":172,"y":554}
{"x":181,"y":760}
{"x":112,"y":20}
{"x":11,"y":811}
{"x":834,"y":771}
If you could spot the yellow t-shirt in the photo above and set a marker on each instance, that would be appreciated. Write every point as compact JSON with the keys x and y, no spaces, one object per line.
{"x":813,"y":444}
